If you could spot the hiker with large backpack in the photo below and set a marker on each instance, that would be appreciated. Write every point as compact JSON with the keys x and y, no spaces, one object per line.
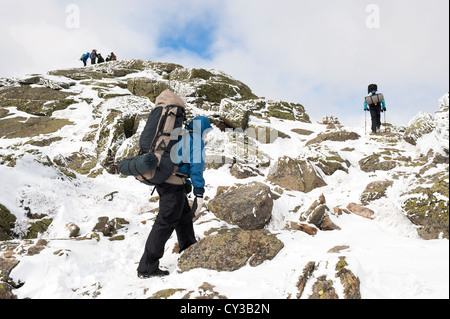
{"x":170,"y":155}
{"x":84,"y":58}
{"x":375,"y":104}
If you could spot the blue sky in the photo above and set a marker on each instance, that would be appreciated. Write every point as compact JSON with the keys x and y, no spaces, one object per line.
{"x":194,"y":37}
{"x":318,"y":53}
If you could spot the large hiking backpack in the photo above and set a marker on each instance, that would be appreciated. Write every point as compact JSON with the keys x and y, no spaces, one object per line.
{"x":374,"y":99}
{"x":153,"y":166}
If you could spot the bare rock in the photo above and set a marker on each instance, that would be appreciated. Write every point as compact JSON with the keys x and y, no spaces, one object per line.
{"x":248,"y":206}
{"x":230,"y":251}
{"x":361,"y":210}
{"x":296,"y":175}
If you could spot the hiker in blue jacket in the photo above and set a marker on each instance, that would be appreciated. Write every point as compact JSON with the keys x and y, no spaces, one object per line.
{"x":375,"y":109}
{"x":191,"y":153}
{"x":84,"y":58}
{"x":175,"y":214}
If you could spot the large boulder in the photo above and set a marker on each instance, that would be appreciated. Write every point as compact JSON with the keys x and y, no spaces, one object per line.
{"x":40,"y":80}
{"x":234,"y":114}
{"x":110,"y":70}
{"x":147,"y":87}
{"x":249,"y":206}
{"x":40,"y":101}
{"x":261,"y":108}
{"x":296,"y":175}
{"x":78,"y":74}
{"x":161,"y":68}
{"x":420,"y":125}
{"x":21,"y":127}
{"x":209,"y":87}
{"x":287,"y":111}
{"x":375,"y":190}
{"x":278,"y":109}
{"x":231,"y":250}
{"x":219,"y":87}
{"x":427,"y":207}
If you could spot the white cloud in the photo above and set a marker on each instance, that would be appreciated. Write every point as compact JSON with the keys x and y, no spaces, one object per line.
{"x":318,"y":53}
{"x":322,"y":54}
{"x":36,"y":38}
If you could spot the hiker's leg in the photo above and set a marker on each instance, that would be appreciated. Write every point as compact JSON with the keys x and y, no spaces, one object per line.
{"x":170,"y":210}
{"x":185,"y":228}
{"x":379,"y":118}
{"x":373,"y":115}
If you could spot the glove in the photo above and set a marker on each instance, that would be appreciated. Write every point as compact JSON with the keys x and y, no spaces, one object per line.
{"x":197,"y":206}
{"x":384,"y":109}
{"x":366,"y":108}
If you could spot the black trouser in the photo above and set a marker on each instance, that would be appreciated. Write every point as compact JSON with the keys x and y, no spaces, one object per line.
{"x":375,"y":113}
{"x":174,"y":214}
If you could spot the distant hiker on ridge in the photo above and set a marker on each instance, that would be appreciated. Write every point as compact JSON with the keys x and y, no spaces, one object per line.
{"x":84,"y":58}
{"x":93,"y":56}
{"x":111,"y":57}
{"x":376,"y":104}
{"x":100,"y":58}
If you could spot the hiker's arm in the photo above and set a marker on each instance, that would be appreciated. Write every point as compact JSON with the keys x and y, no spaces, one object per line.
{"x":196,"y":173}
{"x":366,"y":108}
{"x":383,"y":104}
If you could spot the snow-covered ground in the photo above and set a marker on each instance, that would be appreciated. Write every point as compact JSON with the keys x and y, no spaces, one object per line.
{"x":386,"y":253}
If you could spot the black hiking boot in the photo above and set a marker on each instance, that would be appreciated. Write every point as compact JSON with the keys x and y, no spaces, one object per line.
{"x":157,"y":273}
